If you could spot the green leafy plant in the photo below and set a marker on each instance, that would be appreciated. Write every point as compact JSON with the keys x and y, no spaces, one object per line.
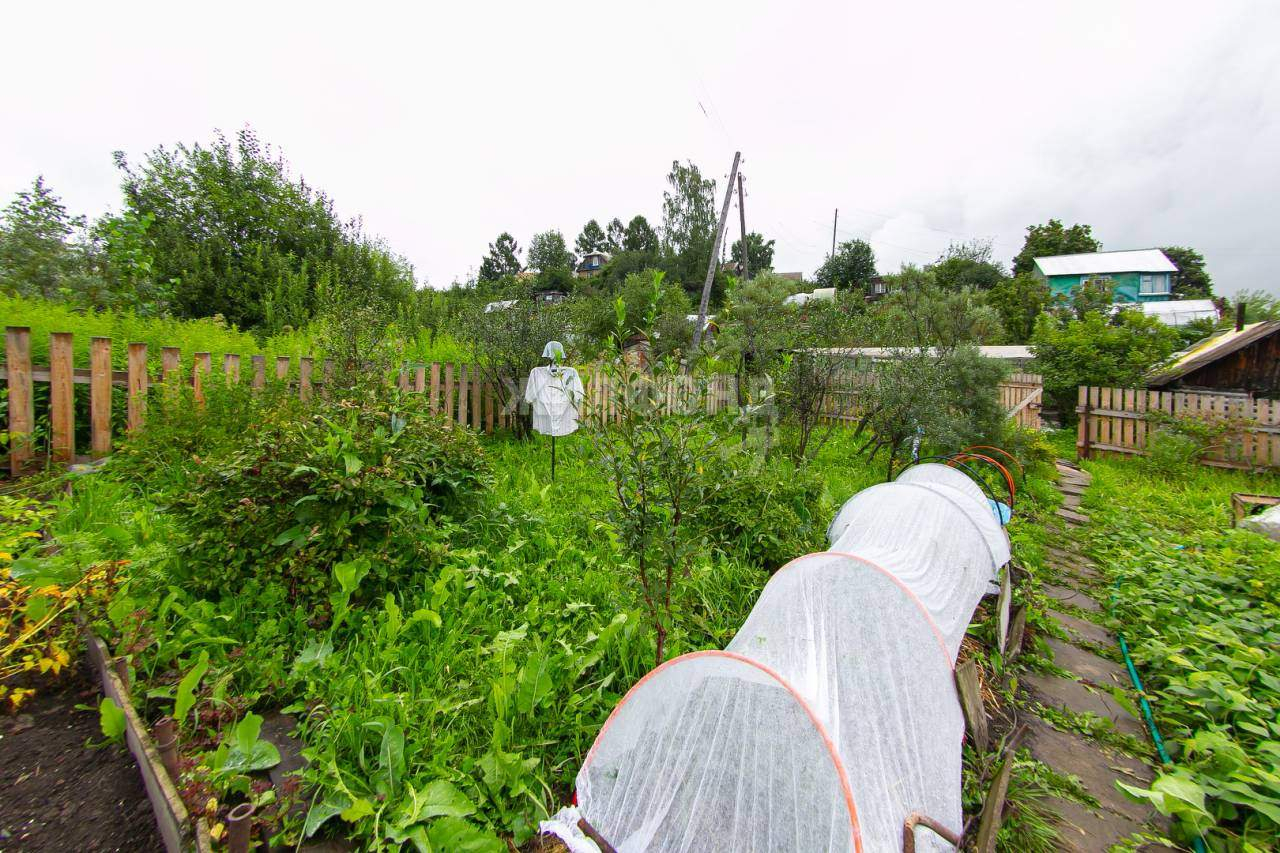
{"x":111,"y":719}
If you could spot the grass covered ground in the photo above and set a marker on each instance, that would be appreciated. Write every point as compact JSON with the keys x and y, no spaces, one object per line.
{"x":1199,"y":605}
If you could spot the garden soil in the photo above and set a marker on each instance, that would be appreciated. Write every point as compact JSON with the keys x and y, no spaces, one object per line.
{"x":56,"y":793}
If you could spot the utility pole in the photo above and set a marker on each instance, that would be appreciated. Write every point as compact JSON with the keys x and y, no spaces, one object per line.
{"x":715,"y":256}
{"x":742,"y":223}
{"x":834,"y":220}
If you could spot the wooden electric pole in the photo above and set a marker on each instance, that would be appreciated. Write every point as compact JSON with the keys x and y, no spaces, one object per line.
{"x":834,"y":220}
{"x":715,"y":257}
{"x":742,"y":224}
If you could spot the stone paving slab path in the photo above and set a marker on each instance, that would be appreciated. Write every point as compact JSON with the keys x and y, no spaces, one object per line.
{"x":1088,"y":691}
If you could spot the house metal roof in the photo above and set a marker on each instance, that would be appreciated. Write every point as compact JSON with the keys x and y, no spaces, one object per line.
{"x":1210,"y":350}
{"x":1137,"y":260}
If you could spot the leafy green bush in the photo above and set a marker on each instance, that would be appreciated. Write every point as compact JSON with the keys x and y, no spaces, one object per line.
{"x":1171,"y":453}
{"x":769,"y":511}
{"x":1094,"y":350}
{"x":352,"y":487}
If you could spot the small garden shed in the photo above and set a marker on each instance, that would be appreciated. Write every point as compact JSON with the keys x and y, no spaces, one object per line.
{"x":1246,"y":359}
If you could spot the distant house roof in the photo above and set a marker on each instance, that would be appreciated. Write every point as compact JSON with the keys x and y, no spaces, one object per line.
{"x":791,"y":276}
{"x":1179,"y":312}
{"x":1210,"y":350}
{"x":1137,"y":260}
{"x":500,"y":305}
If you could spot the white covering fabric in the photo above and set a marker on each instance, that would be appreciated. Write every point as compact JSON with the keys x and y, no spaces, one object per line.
{"x":946,"y":475}
{"x":553,"y":349}
{"x":556,"y":393}
{"x":832,"y":715}
{"x":564,"y":825}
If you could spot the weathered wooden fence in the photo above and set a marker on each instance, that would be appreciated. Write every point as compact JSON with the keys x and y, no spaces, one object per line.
{"x":1121,"y":420}
{"x":1020,"y":396}
{"x":458,"y":391}
{"x":461,"y":392}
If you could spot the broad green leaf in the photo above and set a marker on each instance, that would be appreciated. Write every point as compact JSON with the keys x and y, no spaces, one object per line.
{"x":246,"y":732}
{"x":187,"y":688}
{"x":391,"y":756}
{"x":353,"y":463}
{"x":334,"y":803}
{"x":361,"y":808}
{"x":313,"y":653}
{"x":297,"y":533}
{"x":455,"y":835}
{"x":535,"y":683}
{"x":349,"y":573}
{"x":37,"y":608}
{"x":439,"y":799}
{"x":111,"y":718}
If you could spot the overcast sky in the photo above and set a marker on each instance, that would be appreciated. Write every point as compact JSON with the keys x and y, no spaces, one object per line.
{"x":445,"y":124}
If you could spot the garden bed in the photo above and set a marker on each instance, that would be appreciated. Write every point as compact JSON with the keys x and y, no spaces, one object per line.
{"x":61,"y":788}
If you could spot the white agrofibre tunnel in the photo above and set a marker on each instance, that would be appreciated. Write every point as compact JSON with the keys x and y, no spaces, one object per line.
{"x":832,"y":716}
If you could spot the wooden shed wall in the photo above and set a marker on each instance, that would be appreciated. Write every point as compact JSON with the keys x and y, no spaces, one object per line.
{"x":1255,"y":368}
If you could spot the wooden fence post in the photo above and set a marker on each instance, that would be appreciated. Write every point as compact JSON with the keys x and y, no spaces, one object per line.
{"x":62,"y":414}
{"x":231,"y":368}
{"x":476,"y":398}
{"x":282,"y":367}
{"x":435,"y":387}
{"x":100,"y":396}
{"x":199,"y":370}
{"x":304,"y":377}
{"x":420,"y":378}
{"x":462,"y":395}
{"x":1082,"y":438}
{"x":22,"y":417}
{"x":259,"y":371}
{"x":137,"y":386}
{"x":448,"y":391}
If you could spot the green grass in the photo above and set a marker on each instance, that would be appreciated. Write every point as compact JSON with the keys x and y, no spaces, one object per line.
{"x":1199,"y":604}
{"x":490,"y":674}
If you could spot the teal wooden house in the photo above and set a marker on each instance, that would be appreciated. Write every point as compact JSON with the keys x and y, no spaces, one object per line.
{"x":1142,"y":275}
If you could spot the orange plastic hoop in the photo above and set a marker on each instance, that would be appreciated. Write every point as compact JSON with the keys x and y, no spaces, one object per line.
{"x":1004,"y":472}
{"x":1006,"y":454}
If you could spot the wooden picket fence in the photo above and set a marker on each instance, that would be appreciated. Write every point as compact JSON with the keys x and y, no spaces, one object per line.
{"x":1120,"y":420}
{"x":461,"y":392}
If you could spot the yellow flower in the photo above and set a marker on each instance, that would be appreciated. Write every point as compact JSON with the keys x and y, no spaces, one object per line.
{"x":216,"y":831}
{"x":211,"y":807}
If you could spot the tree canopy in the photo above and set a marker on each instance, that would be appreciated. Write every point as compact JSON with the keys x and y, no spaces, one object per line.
{"x":238,"y":236}
{"x":759,"y":252}
{"x":615,"y":233}
{"x":503,"y":258}
{"x":967,"y":264}
{"x":1053,"y":239}
{"x":547,"y":251}
{"x":851,"y":268}
{"x":1191,"y":281}
{"x":688,"y":222}
{"x":640,"y":236}
{"x":592,"y":239}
